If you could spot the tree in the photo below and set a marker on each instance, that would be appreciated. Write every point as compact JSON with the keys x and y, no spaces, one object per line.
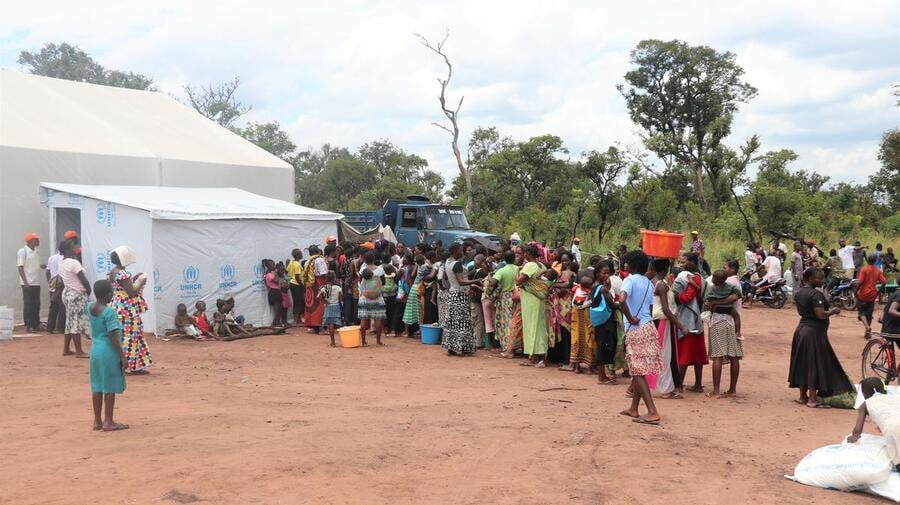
{"x":648,"y":199}
{"x":65,"y":61}
{"x":451,"y":114}
{"x":684,"y":97}
{"x":736,"y":176}
{"x":270,"y":137}
{"x":603,"y":170}
{"x":886,"y":182}
{"x":218,"y":101}
{"x":781,"y":199}
{"x":391,"y":161}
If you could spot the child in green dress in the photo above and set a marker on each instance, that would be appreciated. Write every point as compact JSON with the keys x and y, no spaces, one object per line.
{"x":108,"y":362}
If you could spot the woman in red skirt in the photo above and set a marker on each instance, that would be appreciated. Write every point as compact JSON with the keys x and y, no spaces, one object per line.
{"x":690,"y":348}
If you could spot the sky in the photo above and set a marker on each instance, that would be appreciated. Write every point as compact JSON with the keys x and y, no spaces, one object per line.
{"x":349,"y":72}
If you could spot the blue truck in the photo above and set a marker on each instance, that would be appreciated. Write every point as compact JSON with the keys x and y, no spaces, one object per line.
{"x":419,"y":220}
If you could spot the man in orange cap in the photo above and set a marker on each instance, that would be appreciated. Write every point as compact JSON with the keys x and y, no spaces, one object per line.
{"x":331,"y":240}
{"x":28,"y":261}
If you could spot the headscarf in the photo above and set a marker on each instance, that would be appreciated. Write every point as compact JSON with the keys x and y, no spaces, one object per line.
{"x":127,"y":255}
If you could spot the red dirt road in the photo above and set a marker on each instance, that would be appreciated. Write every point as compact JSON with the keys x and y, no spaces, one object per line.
{"x":285,"y":419}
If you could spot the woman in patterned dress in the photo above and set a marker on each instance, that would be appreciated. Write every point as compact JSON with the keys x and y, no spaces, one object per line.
{"x":504,"y":281}
{"x":129,"y":304}
{"x":560,"y":318}
{"x":458,"y":337}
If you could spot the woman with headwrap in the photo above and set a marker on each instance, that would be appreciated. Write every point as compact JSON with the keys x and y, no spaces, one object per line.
{"x":128,"y":302}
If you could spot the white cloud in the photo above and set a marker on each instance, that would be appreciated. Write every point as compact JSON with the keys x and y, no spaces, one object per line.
{"x":351,"y":72}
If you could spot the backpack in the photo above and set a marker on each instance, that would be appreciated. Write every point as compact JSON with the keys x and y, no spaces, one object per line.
{"x":600,"y":314}
{"x":371,"y":288}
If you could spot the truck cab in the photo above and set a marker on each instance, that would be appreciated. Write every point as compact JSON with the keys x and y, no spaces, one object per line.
{"x":418,"y":220}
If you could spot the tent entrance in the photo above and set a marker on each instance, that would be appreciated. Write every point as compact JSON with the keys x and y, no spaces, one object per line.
{"x":65,"y":219}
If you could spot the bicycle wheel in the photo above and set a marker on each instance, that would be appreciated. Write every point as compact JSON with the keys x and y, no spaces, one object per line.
{"x":878,"y":360}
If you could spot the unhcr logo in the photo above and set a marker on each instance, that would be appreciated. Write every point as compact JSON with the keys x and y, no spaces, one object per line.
{"x":102,"y":262}
{"x":106,"y":214}
{"x":191,"y":286}
{"x":258,"y":272}
{"x":157,"y":287}
{"x":227,"y":277}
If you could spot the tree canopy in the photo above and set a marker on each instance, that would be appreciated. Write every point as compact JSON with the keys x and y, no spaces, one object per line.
{"x":65,"y":61}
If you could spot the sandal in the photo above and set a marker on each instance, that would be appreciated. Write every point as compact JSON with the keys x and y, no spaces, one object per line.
{"x":608,"y":382}
{"x":116,"y":427}
{"x":629,"y":414}
{"x":671,"y":396}
{"x":540,"y":364}
{"x":644,"y":420}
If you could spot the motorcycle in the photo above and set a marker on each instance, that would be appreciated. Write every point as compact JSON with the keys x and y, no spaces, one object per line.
{"x":845,"y":294}
{"x":773,"y":294}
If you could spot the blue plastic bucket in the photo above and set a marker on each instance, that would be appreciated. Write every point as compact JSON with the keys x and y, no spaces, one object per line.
{"x":431,"y":334}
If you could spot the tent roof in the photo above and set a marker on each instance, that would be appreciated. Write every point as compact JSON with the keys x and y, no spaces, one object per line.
{"x":58,"y":115}
{"x":165,"y":202}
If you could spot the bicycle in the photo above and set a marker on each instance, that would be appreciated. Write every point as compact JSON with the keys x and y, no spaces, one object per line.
{"x":879,"y":358}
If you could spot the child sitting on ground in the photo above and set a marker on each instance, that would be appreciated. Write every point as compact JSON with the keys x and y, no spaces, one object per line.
{"x":220,"y":326}
{"x":235,"y":322}
{"x":884,"y":410}
{"x":717,"y":299}
{"x":202,"y":322}
{"x":331,"y":295}
{"x":184,"y":323}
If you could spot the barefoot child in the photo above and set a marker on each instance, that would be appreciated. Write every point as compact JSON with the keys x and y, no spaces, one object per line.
{"x":184,"y":323}
{"x":717,"y":297}
{"x":108,"y":362}
{"x":330,"y":294}
{"x":884,"y":410}
{"x":201,"y":321}
{"x":220,"y":326}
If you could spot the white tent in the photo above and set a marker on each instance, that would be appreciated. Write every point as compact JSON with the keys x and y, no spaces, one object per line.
{"x":72,"y":132}
{"x":195,"y":243}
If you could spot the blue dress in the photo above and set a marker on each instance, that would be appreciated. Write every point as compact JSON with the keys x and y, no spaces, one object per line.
{"x":106,"y":370}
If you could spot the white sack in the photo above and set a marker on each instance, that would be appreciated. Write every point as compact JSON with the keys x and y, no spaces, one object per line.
{"x":846,"y":467}
{"x":889,"y":489}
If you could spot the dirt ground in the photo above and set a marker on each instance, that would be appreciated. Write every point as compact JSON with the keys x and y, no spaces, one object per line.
{"x":286,"y":419}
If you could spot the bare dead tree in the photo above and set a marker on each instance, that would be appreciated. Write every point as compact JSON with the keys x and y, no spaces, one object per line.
{"x":218,"y":101}
{"x":451,"y":113}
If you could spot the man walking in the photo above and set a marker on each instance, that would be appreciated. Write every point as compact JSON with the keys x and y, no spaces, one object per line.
{"x":29,"y":264}
{"x":698,"y":248}
{"x":846,"y":255}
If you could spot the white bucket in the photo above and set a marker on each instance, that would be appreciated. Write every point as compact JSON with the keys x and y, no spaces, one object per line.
{"x":7,"y":325}
{"x":6,"y":335}
{"x":7,"y":312}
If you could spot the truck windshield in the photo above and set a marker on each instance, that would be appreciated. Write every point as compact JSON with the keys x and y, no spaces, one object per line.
{"x":446,"y":218}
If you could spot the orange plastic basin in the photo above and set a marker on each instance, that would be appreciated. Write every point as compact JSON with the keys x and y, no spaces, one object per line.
{"x":662,"y":244}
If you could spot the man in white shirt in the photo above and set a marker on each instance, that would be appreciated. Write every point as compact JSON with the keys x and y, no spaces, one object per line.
{"x":845,"y":253}
{"x":56,"y":318}
{"x":29,"y":265}
{"x":576,"y":251}
{"x":772,"y":264}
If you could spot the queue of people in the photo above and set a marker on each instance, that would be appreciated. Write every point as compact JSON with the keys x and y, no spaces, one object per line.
{"x":623,"y":316}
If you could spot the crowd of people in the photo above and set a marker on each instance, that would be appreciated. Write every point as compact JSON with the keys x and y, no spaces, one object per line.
{"x":622,"y":315}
